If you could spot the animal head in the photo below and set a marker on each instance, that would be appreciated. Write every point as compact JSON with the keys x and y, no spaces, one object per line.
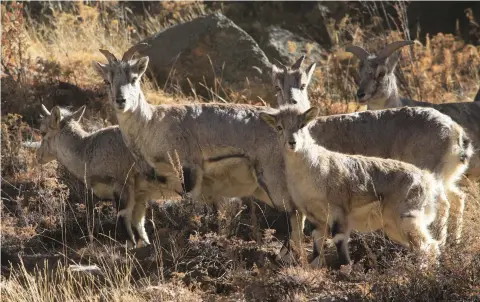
{"x":376,"y":71}
{"x":290,"y":124}
{"x":285,"y":79}
{"x":51,"y":128}
{"x":122,"y":77}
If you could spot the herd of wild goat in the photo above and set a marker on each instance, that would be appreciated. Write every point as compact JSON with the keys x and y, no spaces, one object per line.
{"x":394,"y":169}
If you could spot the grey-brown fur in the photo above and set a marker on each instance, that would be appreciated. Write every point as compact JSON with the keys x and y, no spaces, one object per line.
{"x":353,"y":192}
{"x":218,"y":146}
{"x":420,"y":136}
{"x":285,"y":78}
{"x":378,"y":89}
{"x":406,"y":129}
{"x":101,"y":160}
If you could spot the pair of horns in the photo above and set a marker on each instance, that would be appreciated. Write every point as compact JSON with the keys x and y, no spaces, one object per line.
{"x":362,"y":54}
{"x":295,"y":65}
{"x":126,"y":56}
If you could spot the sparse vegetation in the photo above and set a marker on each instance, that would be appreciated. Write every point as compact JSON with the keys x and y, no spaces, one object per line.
{"x":45,"y":251}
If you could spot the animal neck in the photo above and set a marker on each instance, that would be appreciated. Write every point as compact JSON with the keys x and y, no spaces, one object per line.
{"x":390,"y":99}
{"x":71,"y":149}
{"x":306,"y":151}
{"x":135,"y":119}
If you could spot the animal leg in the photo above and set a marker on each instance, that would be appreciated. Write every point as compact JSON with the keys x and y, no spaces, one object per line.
{"x":319,"y":236}
{"x":138,"y":221}
{"x":417,"y":236}
{"x":341,"y":234}
{"x":457,"y":207}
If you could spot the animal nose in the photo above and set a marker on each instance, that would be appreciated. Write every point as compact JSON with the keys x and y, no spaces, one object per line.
{"x":292,"y":143}
{"x":120,"y":101}
{"x":360,"y":93}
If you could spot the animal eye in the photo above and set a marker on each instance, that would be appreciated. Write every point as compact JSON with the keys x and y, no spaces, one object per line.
{"x":303,"y":87}
{"x":107,"y":82}
{"x":134,"y":80}
{"x":302,"y":125}
{"x":279,"y":128}
{"x":294,"y":102}
{"x":381,"y":74}
{"x":277,"y":88}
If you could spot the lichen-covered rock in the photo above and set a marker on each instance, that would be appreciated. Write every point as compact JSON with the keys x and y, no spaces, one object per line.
{"x":285,"y":46}
{"x":210,"y":51}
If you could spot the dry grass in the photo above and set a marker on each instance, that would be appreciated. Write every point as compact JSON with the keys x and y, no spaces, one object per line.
{"x":43,"y":223}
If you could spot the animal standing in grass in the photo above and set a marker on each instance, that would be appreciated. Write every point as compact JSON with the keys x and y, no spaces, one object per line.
{"x":420,"y":136}
{"x":354,"y":192}
{"x":216,"y":144}
{"x":101,"y":160}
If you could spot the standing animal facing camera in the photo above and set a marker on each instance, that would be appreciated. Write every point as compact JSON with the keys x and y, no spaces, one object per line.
{"x":378,"y":89}
{"x":354,"y":192}
{"x":217,"y":145}
{"x":103,"y":162}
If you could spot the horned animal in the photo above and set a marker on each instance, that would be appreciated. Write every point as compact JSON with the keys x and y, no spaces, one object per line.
{"x":433,"y":142}
{"x":285,"y":78}
{"x":378,"y":89}
{"x":216,"y":144}
{"x":101,"y":160}
{"x":354,"y":192}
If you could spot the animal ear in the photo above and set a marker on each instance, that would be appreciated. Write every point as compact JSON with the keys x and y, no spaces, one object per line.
{"x":310,"y":70}
{"x":298,"y":63}
{"x":45,"y":110}
{"x":77,"y":115}
{"x":101,"y":69}
{"x":270,"y":119}
{"x":55,"y":117}
{"x":141,"y":65}
{"x":310,"y":115}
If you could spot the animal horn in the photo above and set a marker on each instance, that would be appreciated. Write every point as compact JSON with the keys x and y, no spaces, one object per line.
{"x":285,"y":68}
{"x":132,"y":50}
{"x":390,"y":48}
{"x":298,"y":63}
{"x":358,"y":51}
{"x":45,"y":110}
{"x":110,"y":56}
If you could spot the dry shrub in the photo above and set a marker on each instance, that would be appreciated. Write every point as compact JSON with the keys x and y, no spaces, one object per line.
{"x":43,"y":211}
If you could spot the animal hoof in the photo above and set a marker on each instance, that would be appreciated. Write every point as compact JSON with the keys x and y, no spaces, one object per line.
{"x":142,"y":243}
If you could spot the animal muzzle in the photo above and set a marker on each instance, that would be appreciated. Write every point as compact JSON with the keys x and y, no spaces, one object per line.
{"x":292,"y":144}
{"x":361,"y":95}
{"x":120,"y":103}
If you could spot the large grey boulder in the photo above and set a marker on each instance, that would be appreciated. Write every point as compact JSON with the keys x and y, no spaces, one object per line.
{"x":210,"y":51}
{"x":285,"y":46}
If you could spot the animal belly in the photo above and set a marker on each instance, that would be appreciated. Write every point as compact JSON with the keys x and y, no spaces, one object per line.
{"x":230,"y":177}
{"x":103,"y":191}
{"x":366,"y":218}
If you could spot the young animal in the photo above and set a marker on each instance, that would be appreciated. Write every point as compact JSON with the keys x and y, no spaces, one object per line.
{"x":101,"y":160}
{"x":217,"y":145}
{"x":378,"y":89}
{"x":294,"y":77}
{"x":354,"y":192}
{"x":444,"y":148}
